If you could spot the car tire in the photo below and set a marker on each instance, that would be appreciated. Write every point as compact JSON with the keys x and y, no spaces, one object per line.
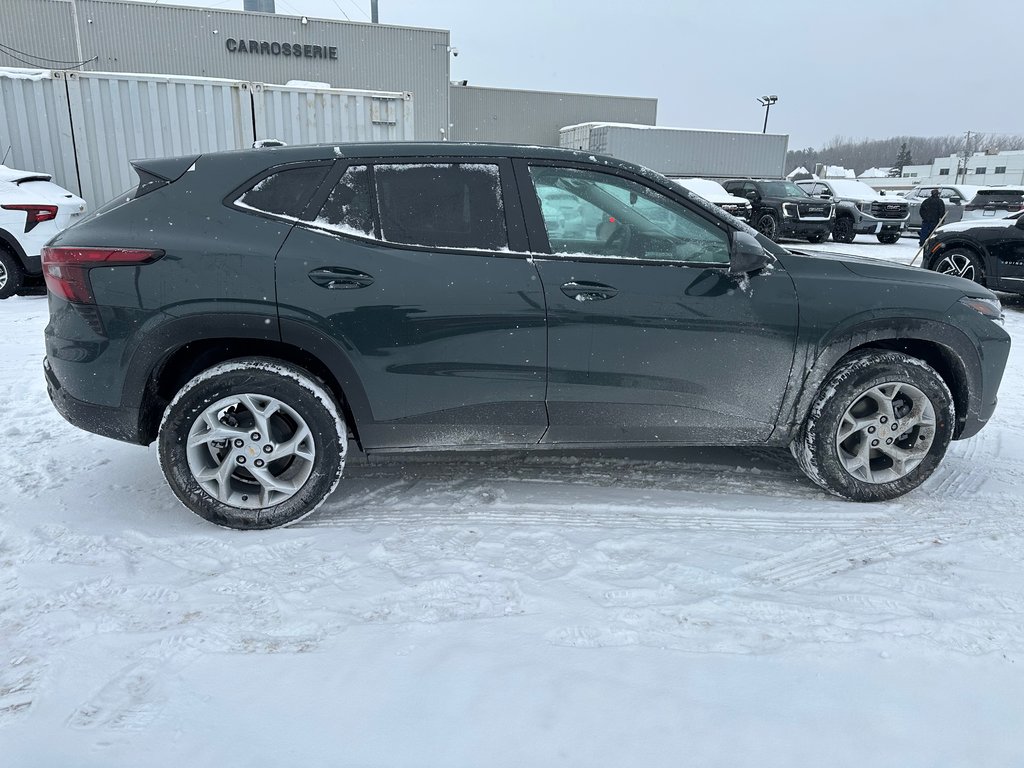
{"x":253,"y":443}
{"x":12,"y":276}
{"x":878,"y":427}
{"x":959,"y":262}
{"x":888,"y":239}
{"x":817,"y":238}
{"x":842,"y":230}
{"x":768,"y":225}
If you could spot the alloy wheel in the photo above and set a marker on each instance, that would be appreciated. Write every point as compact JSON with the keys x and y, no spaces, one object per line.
{"x":957,"y":264}
{"x":886,"y":433}
{"x":250,"y":451}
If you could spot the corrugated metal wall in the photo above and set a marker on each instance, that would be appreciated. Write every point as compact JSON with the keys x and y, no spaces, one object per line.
{"x":686,"y":152}
{"x":84,"y":127}
{"x":147,"y":37}
{"x":535,"y":117}
{"x":118,"y":117}
{"x":313,"y":116}
{"x":35,"y":125}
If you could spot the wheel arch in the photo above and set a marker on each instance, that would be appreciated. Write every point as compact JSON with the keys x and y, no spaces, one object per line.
{"x":161,"y":379}
{"x":944,"y":348}
{"x":960,"y":242}
{"x":10,"y":243}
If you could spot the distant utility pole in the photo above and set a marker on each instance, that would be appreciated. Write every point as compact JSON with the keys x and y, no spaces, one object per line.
{"x":374,"y":18}
{"x":967,"y":157}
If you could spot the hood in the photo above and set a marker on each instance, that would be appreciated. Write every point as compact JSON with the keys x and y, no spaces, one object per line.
{"x":963,"y":226}
{"x":864,"y":266}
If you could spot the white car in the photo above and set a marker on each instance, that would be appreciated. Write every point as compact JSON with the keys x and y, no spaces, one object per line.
{"x":994,"y":203}
{"x":715,"y":193}
{"x":32,"y":210}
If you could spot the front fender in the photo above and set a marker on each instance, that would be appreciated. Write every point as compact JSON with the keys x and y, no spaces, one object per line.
{"x":946,"y":348}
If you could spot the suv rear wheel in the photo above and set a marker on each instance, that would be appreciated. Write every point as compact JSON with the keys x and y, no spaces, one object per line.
{"x":11,"y":274}
{"x":879,"y":426}
{"x":252,"y":443}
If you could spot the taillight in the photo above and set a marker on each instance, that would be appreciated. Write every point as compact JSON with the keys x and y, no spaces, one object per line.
{"x":36,"y":214}
{"x":66,"y":270}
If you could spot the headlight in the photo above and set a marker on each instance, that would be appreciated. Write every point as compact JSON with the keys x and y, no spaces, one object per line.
{"x":864,"y":207}
{"x":789,"y":209}
{"x":990,"y":308}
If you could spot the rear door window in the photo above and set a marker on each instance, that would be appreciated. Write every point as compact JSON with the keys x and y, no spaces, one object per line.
{"x":285,"y":192}
{"x":441,"y":205}
{"x":348,"y":208}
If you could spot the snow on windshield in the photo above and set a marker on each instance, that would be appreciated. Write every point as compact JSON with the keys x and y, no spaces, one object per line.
{"x":706,"y":188}
{"x":850,"y":188}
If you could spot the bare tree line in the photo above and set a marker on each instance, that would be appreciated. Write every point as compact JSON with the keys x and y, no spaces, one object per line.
{"x":882,"y":153}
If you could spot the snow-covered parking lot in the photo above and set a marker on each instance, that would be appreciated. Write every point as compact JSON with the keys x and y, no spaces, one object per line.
{"x":654,"y":608}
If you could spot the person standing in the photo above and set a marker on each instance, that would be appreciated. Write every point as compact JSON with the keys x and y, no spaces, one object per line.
{"x":932,"y":211}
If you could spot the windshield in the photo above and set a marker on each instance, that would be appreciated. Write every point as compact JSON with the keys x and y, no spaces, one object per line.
{"x":782,"y":189}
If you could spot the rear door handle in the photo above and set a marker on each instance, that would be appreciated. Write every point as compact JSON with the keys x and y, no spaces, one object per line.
{"x":340,"y":279}
{"x":584,"y":291}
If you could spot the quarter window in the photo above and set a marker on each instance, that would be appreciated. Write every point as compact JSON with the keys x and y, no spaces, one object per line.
{"x":592,"y":213}
{"x":348,"y":209}
{"x":284,"y":193}
{"x":443,"y":205}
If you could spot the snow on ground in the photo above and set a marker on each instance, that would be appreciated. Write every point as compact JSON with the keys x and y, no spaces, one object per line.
{"x":652,"y":608}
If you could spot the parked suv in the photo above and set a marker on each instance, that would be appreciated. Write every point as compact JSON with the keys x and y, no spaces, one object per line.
{"x":782,"y":209}
{"x":954,"y":196}
{"x":32,"y":210}
{"x":988,"y":251}
{"x":253,"y":312}
{"x":994,"y":203}
{"x":860,"y":210}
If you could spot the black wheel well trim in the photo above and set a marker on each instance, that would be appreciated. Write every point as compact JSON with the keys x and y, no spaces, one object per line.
{"x":153,"y":380}
{"x":10,"y":243}
{"x":945,"y":348}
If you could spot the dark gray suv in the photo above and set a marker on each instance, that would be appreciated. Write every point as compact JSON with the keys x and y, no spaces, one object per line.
{"x":254,"y":312}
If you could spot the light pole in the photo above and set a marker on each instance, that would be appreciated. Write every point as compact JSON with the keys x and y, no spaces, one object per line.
{"x":766,"y":102}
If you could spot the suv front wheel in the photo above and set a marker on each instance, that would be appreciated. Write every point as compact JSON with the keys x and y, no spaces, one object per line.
{"x":878,"y":427}
{"x":253,"y":443}
{"x":768,"y":225}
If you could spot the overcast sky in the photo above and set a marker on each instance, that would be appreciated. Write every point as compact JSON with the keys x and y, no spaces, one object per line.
{"x":860,"y":68}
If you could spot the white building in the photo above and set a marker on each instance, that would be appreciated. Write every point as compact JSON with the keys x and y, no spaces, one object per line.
{"x":987,"y":169}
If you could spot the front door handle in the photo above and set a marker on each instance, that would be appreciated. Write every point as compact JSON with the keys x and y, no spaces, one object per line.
{"x":339,"y":278}
{"x":584,"y":291}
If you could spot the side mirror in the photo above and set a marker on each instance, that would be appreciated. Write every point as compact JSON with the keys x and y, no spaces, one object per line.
{"x":751,"y":195}
{"x":1019,"y":224}
{"x":825,"y":195}
{"x":747,"y":255}
{"x":956,"y":200}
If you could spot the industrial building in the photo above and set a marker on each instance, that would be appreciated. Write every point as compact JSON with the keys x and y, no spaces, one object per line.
{"x":105,"y":81}
{"x":132,"y":37}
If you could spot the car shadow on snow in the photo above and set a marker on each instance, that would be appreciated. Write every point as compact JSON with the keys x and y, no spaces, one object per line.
{"x":452,"y":485}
